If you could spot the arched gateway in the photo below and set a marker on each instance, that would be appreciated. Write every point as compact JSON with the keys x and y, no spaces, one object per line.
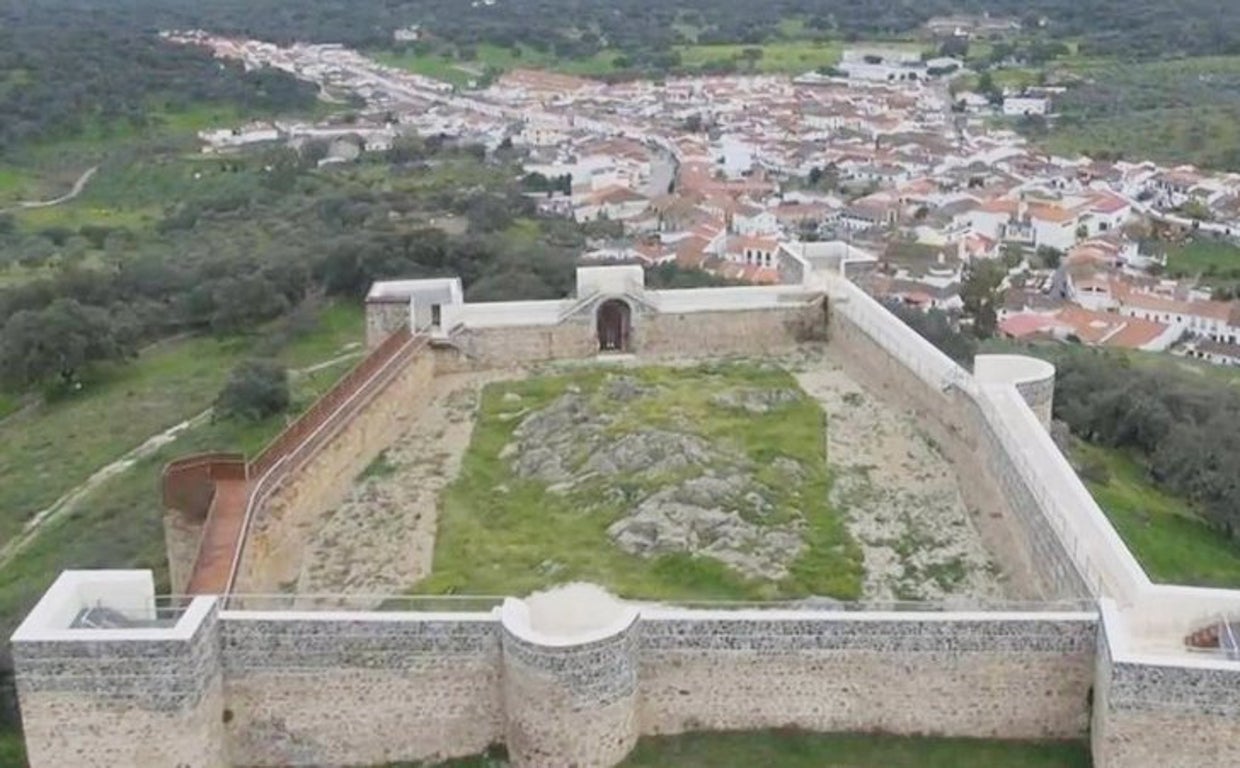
{"x":614,"y":326}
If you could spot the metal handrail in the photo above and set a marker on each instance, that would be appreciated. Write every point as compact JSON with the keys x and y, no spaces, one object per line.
{"x":261,"y":490}
{"x":1232,"y":653}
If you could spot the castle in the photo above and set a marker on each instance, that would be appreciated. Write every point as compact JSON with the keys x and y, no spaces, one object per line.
{"x":109,"y":675}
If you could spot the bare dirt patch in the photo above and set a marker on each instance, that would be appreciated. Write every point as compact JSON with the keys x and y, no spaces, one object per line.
{"x":900,"y":495}
{"x":380,"y":540}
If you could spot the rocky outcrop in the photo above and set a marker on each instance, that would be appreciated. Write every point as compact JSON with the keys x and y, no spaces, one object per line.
{"x":680,"y":492}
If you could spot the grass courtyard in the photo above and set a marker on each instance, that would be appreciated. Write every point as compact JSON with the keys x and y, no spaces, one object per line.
{"x":556,"y":461}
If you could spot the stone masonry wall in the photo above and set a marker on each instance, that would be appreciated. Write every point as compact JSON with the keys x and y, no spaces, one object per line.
{"x":383,"y":318}
{"x":1040,"y":395}
{"x":1008,"y":678}
{"x":1036,"y":535}
{"x":334,"y":689}
{"x":328,"y":691}
{"x":571,"y":705}
{"x":740,"y":332}
{"x":1153,"y":716}
{"x":181,"y":540}
{"x":1007,"y":516}
{"x":480,"y":348}
{"x":276,"y":542}
{"x":120,"y":703}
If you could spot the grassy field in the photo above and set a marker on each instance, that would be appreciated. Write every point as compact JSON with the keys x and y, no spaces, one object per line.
{"x":1172,"y":544}
{"x":1203,"y":256}
{"x":495,"y":528}
{"x":13,"y":184}
{"x":117,"y":524}
{"x":47,"y":450}
{"x":787,"y":57}
{"x":1178,"y":111}
{"x":156,"y":162}
{"x":796,"y":749}
{"x":461,"y":72}
{"x":133,"y":192}
{"x":12,"y":753}
{"x":790,"y":56}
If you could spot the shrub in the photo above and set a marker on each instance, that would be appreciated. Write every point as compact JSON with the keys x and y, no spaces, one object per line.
{"x":255,"y":390}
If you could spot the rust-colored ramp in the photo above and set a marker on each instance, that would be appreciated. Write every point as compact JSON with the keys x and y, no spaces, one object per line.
{"x":238,"y":483}
{"x":221,"y":538}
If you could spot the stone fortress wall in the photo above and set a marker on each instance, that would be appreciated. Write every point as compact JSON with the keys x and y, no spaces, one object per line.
{"x":288,"y":688}
{"x":319,"y":688}
{"x":1154,"y":703}
{"x":274,"y":546}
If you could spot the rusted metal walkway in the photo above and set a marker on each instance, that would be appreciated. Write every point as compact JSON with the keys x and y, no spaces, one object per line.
{"x":236,"y":492}
{"x":221,"y":535}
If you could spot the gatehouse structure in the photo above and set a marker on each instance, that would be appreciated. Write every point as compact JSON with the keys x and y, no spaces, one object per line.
{"x":109,"y":674}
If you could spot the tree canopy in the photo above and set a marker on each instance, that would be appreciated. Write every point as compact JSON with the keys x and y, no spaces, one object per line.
{"x":1185,"y":428}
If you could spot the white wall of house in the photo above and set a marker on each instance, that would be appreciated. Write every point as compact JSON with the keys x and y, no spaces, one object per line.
{"x":989,"y":224}
{"x":1210,"y":327}
{"x":763,"y":223}
{"x":1016,"y":106}
{"x":1099,"y":223}
{"x":1051,"y":234}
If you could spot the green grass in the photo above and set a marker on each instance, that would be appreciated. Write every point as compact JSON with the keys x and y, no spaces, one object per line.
{"x":118,"y":524}
{"x":9,"y":404}
{"x":339,"y":328}
{"x":788,"y":748}
{"x":461,"y":72}
{"x":428,"y":65}
{"x":501,"y":534}
{"x":791,"y":56}
{"x":1174,"y":111}
{"x":13,"y":183}
{"x":523,"y":231}
{"x":134,"y":192}
{"x":795,"y":749}
{"x":12,"y":749}
{"x":48,"y":450}
{"x":794,"y":57}
{"x":1203,"y":256}
{"x":148,"y":166}
{"x":1173,"y":544}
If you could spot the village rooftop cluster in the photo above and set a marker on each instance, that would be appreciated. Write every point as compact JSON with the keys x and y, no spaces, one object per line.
{"x":714,"y":173}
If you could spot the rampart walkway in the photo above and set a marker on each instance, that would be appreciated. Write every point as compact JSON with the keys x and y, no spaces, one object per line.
{"x":231,"y":499}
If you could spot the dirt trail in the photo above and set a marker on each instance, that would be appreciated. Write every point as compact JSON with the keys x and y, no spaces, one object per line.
{"x":76,"y":190}
{"x":69,"y":501}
